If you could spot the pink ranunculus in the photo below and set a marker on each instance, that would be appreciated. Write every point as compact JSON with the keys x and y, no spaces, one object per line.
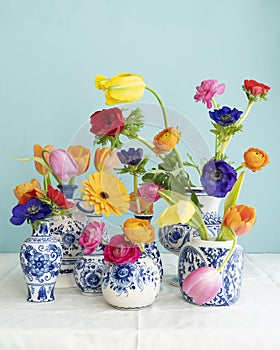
{"x":63,"y":164}
{"x":202,"y":284}
{"x":91,"y":236}
{"x":207,"y":90}
{"x":120,"y":251}
{"x":149,"y":192}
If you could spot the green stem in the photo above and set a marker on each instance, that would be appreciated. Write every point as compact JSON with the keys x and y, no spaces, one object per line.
{"x":49,"y":167}
{"x":239,"y":168}
{"x":135,"y":186}
{"x":161,"y":105}
{"x":178,"y":157}
{"x":214,"y":103}
{"x":149,"y":145}
{"x":220,"y":268}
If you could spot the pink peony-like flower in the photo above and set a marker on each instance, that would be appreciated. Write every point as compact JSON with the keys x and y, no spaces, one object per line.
{"x":149,"y":192}
{"x":91,"y":236}
{"x":207,"y":90}
{"x":202,"y":284}
{"x":120,"y":251}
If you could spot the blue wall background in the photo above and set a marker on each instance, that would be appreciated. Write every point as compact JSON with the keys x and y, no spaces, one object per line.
{"x":51,"y":51}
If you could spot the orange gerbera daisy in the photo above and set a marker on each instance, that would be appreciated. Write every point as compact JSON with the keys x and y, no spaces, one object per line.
{"x":107,"y":193}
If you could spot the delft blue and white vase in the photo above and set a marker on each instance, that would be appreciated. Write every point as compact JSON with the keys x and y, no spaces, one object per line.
{"x":88,"y":269}
{"x":131,"y":286}
{"x":198,"y":253}
{"x":40,"y":259}
{"x":174,"y":237}
{"x":68,"y":231}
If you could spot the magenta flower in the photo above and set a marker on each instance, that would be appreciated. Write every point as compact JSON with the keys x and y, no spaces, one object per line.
{"x":91,"y":236}
{"x":207,"y":90}
{"x":63,"y":165}
{"x":149,"y":192}
{"x":120,"y":251}
{"x":202,"y":284}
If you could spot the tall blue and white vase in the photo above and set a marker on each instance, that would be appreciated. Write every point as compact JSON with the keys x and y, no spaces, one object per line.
{"x":151,"y":248}
{"x":40,"y":259}
{"x":88,"y":269}
{"x":131,"y":286}
{"x":198,"y":253}
{"x":68,"y":231}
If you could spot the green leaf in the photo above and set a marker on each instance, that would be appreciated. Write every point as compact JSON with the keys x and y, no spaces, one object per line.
{"x":234,"y":193}
{"x":172,"y":197}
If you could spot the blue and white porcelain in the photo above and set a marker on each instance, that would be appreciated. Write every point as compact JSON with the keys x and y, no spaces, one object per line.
{"x":198,"y":253}
{"x":174,"y":237}
{"x":132,"y":285}
{"x":40,"y":259}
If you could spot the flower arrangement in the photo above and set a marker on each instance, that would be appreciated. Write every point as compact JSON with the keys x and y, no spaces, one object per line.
{"x":36,"y":204}
{"x":218,"y":176}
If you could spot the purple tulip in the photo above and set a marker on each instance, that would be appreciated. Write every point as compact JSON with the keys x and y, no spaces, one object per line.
{"x":202,"y":284}
{"x":63,"y":165}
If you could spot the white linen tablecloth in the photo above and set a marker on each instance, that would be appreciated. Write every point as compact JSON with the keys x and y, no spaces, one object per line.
{"x":75,"y":321}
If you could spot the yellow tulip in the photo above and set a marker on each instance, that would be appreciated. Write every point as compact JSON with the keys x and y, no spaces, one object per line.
{"x":81,"y":156}
{"x":178,"y":213}
{"x":121,"y":88}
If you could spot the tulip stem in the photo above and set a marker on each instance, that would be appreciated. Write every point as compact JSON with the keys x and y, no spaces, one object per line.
{"x":135,"y":183}
{"x":220,"y":268}
{"x":49,"y":167}
{"x":161,"y":105}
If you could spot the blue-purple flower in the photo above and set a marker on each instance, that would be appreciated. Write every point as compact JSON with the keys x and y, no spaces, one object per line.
{"x":34,"y":209}
{"x":218,"y":178}
{"x":225,"y":116}
{"x":131,"y":157}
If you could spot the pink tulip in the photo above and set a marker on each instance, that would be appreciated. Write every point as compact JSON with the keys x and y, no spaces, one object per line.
{"x":202,"y":284}
{"x":63,"y":164}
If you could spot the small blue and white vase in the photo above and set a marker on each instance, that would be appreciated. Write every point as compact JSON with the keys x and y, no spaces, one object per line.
{"x":88,"y":269}
{"x":198,"y":253}
{"x":174,"y":237}
{"x":68,"y":231}
{"x":132,"y":285}
{"x":40,"y":259}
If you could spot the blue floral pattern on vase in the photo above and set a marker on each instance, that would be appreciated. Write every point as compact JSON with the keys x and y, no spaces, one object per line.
{"x":131,"y":285}
{"x":40,"y":258}
{"x":212,"y":253}
{"x":152,"y":251}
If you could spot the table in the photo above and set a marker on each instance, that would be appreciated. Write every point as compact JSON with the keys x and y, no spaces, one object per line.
{"x":75,"y":321}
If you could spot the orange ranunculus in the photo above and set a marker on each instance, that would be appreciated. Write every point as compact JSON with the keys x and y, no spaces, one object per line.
{"x":241,"y":218}
{"x":138,"y":230}
{"x":255,"y":159}
{"x":104,"y":160}
{"x":145,"y":207}
{"x":81,"y":156}
{"x":27,"y":190}
{"x":38,"y":153}
{"x":166,"y":140}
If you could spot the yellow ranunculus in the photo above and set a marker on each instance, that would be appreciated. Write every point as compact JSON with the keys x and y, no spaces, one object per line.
{"x":179,"y":213}
{"x":166,"y":140}
{"x":121,"y":88}
{"x":255,"y":159}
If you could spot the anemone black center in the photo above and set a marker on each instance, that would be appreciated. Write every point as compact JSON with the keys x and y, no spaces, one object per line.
{"x":104,"y":195}
{"x":33,"y":210}
{"x":226,"y":118}
{"x":217,"y":175}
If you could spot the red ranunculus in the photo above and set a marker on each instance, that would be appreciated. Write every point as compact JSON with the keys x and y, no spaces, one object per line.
{"x":108,"y":122}
{"x":59,"y":198}
{"x":255,"y":88}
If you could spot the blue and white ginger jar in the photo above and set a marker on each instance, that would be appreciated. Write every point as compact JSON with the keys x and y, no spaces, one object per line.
{"x":40,"y":259}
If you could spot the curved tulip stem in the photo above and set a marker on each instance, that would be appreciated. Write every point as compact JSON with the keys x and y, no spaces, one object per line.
{"x":161,"y":105}
{"x":220,"y":268}
{"x":49,"y":168}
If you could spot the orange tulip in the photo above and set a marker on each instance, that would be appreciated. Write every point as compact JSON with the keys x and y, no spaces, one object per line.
{"x":81,"y":156}
{"x":166,"y":140}
{"x":255,"y":159}
{"x":241,"y":218}
{"x":38,"y":153}
{"x":27,"y":190}
{"x":104,"y":160}
{"x":138,"y":230}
